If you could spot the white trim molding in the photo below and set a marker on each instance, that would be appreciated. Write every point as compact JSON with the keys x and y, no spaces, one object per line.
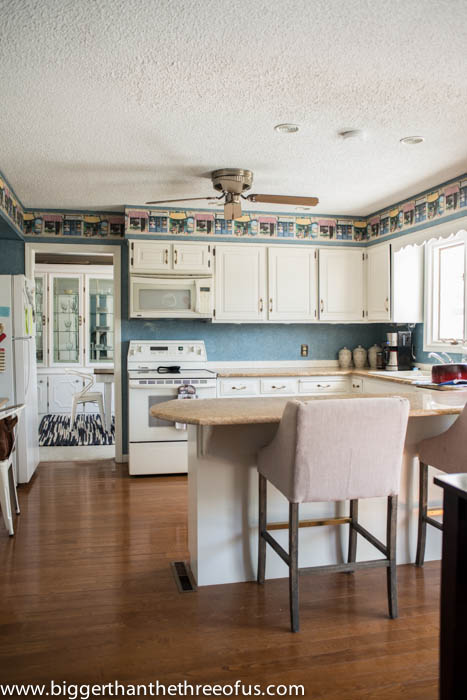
{"x":115,"y":250}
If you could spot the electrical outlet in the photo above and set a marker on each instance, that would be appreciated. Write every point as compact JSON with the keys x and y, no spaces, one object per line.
{"x":304,"y":350}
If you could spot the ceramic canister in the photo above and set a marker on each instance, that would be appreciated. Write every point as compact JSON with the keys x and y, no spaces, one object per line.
{"x":345,"y":358}
{"x":372,"y":355}
{"x":359,"y":357}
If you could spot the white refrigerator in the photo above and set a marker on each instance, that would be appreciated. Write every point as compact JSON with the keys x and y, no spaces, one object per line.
{"x":18,"y":377}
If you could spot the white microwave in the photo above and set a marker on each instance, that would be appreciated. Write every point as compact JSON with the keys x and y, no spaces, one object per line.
{"x":171,"y":297}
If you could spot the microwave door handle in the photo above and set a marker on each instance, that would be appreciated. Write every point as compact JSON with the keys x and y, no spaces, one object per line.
{"x":197,"y":305}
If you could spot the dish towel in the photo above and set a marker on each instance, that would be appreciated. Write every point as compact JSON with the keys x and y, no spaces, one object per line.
{"x":186,"y":391}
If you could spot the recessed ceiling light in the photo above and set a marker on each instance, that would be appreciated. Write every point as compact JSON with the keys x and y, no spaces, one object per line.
{"x":352,"y":134}
{"x":287,"y":128}
{"x":412,"y":140}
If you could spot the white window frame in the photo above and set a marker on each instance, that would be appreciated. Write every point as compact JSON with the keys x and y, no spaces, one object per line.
{"x":431,"y":292}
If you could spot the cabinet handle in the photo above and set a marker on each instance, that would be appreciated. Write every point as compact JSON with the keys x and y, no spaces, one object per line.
{"x":43,"y":320}
{"x":261,"y":305}
{"x":238,"y":388}
{"x":175,"y":256}
{"x":323,"y":386}
{"x":322,"y":306}
{"x":283,"y":386}
{"x":386,"y":304}
{"x":80,"y":320}
{"x":270,"y":304}
{"x":166,"y":256}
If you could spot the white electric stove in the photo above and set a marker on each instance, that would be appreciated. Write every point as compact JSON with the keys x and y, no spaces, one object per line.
{"x":156,"y":371}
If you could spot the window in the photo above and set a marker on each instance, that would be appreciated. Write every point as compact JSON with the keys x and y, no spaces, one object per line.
{"x":445,"y":295}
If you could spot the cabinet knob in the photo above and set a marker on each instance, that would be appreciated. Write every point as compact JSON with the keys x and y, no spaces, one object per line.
{"x":321,"y":306}
{"x":261,"y":305}
{"x":166,"y":256}
{"x":238,"y":388}
{"x":386,"y":304}
{"x":270,"y":304}
{"x":175,"y":256}
{"x":283,"y":386}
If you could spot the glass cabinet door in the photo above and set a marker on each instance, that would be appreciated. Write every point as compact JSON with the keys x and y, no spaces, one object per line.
{"x":100,"y":331}
{"x":41,"y":318}
{"x":66,"y":319}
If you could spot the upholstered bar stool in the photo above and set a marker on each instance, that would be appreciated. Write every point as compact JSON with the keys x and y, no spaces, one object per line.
{"x":447,"y":452}
{"x":8,"y":420}
{"x":334,"y":450}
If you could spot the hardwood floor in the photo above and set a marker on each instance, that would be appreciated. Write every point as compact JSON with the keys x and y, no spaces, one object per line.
{"x":87,"y":596}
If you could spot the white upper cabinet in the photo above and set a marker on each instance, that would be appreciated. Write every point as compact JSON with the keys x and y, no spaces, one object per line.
{"x":292,"y":283}
{"x":378,"y":283}
{"x":407,"y":285}
{"x":341,"y":284}
{"x":148,"y":257}
{"x":240,"y":283}
{"x":194,"y":257}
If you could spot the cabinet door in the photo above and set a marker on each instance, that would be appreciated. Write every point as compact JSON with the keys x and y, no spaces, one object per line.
{"x":61,"y":390}
{"x":292,"y":284}
{"x":240,"y":289}
{"x":407,"y":285}
{"x":150,"y":256}
{"x":40,"y":302}
{"x":42,"y":394}
{"x":341,"y":285}
{"x":99,"y":320}
{"x":192,"y":257}
{"x":378,"y":263}
{"x":66,"y":320}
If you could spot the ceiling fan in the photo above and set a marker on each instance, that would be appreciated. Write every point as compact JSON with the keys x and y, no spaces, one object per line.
{"x":233,"y":182}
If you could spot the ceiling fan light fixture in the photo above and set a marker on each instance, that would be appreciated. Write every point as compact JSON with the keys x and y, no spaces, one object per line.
{"x":412,"y":140}
{"x":287,"y":128}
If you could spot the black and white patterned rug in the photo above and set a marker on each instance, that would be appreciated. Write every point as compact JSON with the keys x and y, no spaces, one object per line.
{"x":54,"y":431}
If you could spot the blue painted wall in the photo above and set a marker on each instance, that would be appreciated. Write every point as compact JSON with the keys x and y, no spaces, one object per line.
{"x":11,"y":257}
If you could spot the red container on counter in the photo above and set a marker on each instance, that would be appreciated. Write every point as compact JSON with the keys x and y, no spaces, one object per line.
{"x":448,"y":372}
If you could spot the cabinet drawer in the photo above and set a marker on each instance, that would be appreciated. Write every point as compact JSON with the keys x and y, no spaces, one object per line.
{"x":323,"y":385}
{"x":279,"y":385}
{"x":239,"y":386}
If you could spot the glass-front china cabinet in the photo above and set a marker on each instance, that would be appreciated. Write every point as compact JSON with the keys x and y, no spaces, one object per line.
{"x":74,"y":330}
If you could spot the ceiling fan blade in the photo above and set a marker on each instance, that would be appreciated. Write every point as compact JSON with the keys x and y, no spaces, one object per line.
{"x":283,"y":199}
{"x":185,"y":199}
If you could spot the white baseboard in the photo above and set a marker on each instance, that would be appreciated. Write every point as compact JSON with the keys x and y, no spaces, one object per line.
{"x":76,"y":454}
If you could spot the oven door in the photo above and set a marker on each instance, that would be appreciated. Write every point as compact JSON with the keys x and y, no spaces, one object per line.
{"x":142,"y":426}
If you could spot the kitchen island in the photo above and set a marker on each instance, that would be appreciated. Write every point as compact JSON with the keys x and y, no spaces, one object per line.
{"x":224,"y":436}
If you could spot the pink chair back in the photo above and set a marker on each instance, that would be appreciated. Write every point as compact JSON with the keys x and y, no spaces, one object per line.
{"x":447,"y":451}
{"x":337,"y":449}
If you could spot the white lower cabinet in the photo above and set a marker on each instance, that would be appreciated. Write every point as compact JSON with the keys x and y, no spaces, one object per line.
{"x":239,"y":386}
{"x":61,"y":390}
{"x":323,"y":385}
{"x":42,"y":394}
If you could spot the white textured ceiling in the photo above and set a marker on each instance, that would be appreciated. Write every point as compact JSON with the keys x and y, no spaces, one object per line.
{"x":107,"y":102}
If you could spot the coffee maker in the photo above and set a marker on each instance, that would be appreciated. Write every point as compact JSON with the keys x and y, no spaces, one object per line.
{"x":398,"y":351}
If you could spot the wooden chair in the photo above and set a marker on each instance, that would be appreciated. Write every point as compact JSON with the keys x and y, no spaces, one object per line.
{"x":447,"y":452}
{"x":334,"y":450}
{"x":85,"y":396}
{"x":7,"y":474}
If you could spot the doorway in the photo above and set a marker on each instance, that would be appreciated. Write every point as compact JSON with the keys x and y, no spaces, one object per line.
{"x":78,"y":320}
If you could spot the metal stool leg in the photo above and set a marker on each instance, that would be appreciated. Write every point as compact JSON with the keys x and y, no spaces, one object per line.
{"x":293,"y":567}
{"x":261,"y":528}
{"x":422,"y":514}
{"x":352,"y":532}
{"x":391,"y":547}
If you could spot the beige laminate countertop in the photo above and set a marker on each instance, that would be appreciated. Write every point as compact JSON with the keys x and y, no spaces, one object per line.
{"x":226,"y":372}
{"x":269,"y":410}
